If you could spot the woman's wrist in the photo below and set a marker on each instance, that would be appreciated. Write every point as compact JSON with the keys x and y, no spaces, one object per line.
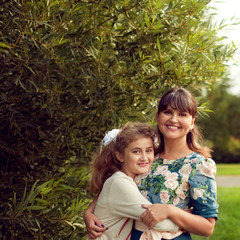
{"x":171,"y":211}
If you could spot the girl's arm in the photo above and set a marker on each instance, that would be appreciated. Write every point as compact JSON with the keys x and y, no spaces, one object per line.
{"x":190,"y":222}
{"x":126,"y":200}
{"x":93,"y":224}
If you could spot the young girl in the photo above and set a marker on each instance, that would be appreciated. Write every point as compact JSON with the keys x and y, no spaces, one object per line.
{"x":183,"y":175}
{"x":126,"y":153}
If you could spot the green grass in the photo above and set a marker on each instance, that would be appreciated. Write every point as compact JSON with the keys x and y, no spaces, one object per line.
{"x":228,"y":223}
{"x":228,"y":169}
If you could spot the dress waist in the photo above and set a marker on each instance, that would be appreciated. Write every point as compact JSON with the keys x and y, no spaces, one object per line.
{"x":152,"y":234}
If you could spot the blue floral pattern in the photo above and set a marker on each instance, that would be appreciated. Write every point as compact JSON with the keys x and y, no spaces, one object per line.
{"x":188,"y":182}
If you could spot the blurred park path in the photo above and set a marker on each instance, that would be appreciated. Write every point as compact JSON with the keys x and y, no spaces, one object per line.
{"x":228,"y":181}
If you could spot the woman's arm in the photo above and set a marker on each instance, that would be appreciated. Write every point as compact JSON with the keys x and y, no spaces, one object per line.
{"x":203,"y":194}
{"x":190,"y":222}
{"x":93,"y":224}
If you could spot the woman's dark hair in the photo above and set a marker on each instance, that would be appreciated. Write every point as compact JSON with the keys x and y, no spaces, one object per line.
{"x":181,"y":99}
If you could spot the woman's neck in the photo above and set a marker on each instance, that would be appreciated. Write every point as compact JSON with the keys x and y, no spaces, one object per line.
{"x":175,"y":150}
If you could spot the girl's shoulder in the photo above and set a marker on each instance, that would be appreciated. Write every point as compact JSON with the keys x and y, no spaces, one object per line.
{"x":118,"y":177}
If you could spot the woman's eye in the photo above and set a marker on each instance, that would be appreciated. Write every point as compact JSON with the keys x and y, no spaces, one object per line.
{"x":183,"y":114}
{"x":167,"y":112}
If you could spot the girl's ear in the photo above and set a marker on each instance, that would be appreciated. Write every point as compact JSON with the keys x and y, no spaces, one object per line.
{"x":119,"y":156}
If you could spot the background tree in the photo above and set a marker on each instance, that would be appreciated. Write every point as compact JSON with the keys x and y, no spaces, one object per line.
{"x":222,"y":127}
{"x":70,"y":71}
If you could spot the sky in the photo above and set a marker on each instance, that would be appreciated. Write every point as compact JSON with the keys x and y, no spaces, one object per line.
{"x":227,"y":9}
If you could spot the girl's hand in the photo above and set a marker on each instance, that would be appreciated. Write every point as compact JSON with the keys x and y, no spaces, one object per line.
{"x":93,"y":225}
{"x":154,"y":214}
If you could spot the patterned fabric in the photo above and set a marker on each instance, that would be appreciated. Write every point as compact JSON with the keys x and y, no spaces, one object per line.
{"x":188,"y":182}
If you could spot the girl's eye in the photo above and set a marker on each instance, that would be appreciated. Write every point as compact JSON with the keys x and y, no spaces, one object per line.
{"x":182,"y":114}
{"x":149,"y":150}
{"x":136,"y":151}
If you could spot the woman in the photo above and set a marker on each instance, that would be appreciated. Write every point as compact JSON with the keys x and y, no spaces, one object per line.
{"x":183,"y":175}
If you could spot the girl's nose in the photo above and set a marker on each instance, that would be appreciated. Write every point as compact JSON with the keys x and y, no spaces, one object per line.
{"x":143,"y":156}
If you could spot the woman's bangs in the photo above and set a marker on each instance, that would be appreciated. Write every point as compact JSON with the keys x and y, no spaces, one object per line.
{"x":177,"y":102}
{"x":180,"y":104}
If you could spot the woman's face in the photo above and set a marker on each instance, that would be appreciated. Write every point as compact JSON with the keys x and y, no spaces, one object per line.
{"x":174,"y":124}
{"x":138,"y":156}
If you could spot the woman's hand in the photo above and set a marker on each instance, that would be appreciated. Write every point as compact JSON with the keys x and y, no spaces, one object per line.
{"x":155,"y":213}
{"x":93,"y":225}
{"x":192,"y":223}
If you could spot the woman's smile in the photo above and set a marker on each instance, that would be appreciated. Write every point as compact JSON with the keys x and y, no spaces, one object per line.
{"x":171,"y":127}
{"x":173,"y":123}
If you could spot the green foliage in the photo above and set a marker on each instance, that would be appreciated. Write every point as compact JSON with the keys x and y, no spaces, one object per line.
{"x":222,"y":127}
{"x":52,"y":210}
{"x":72,"y":69}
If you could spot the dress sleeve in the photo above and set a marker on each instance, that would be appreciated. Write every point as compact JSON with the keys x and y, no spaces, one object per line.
{"x":125,"y":200}
{"x":203,"y":189}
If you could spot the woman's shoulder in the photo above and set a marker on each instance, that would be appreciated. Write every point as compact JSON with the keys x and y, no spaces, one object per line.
{"x":205,"y":166}
{"x":191,"y":158}
{"x":197,"y":158}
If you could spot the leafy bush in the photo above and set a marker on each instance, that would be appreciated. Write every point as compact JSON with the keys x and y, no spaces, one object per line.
{"x":52,"y":210}
{"x":70,"y":71}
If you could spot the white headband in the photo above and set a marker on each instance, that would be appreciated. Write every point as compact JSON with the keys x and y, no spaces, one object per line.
{"x":110,"y":136}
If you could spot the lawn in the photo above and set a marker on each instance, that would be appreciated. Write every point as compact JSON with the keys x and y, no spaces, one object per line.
{"x":228,"y":169}
{"x":227,"y":225}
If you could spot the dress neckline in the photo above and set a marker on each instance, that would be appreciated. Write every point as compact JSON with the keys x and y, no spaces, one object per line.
{"x":173,"y":160}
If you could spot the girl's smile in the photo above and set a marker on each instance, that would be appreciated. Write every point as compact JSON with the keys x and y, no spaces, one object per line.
{"x":138,"y":156}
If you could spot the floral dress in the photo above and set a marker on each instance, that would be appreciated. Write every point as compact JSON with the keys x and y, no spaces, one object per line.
{"x":188,"y":183}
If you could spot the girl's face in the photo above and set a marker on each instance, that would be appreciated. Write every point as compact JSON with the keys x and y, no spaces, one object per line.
{"x":174,"y":124}
{"x":138,"y":156}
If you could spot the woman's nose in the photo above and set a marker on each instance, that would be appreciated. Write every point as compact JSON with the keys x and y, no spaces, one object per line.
{"x":174,"y":118}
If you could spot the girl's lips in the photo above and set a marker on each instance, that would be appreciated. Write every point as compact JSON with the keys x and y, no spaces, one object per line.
{"x":143,"y":164}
